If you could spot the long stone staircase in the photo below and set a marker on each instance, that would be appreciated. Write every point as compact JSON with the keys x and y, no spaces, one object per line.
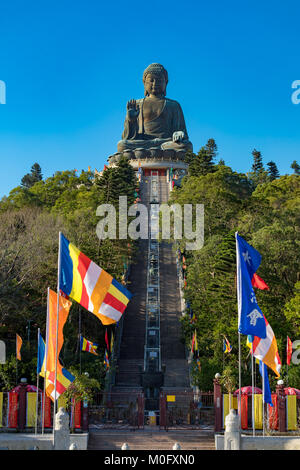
{"x":131,"y":358}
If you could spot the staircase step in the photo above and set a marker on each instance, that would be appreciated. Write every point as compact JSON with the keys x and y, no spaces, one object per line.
{"x":151,"y":440}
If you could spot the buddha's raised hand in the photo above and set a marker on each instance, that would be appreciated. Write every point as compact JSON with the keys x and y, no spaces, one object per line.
{"x":132,"y":109}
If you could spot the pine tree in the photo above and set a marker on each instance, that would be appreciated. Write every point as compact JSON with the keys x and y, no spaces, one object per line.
{"x":203,"y":162}
{"x":273,"y":171}
{"x":258,"y":174}
{"x":295,"y":167}
{"x":33,"y":177}
{"x":212,"y":148}
{"x":257,"y":166}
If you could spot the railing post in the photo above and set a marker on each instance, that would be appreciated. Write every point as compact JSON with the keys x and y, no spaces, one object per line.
{"x":163,"y":411}
{"x":281,"y":401}
{"x":218,"y":404}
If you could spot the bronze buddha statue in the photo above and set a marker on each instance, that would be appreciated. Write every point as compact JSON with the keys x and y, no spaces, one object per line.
{"x":154,"y":121}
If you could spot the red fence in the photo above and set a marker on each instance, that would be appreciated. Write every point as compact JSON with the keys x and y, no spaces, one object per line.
{"x":18,"y":411}
{"x":279,"y":417}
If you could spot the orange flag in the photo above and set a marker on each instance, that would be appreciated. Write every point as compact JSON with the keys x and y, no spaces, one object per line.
{"x":64,"y":308}
{"x":18,"y":346}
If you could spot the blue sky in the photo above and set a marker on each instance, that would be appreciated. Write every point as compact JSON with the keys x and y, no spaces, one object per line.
{"x":71,"y":66}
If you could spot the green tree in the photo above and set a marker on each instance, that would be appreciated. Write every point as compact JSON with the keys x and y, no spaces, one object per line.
{"x":257,"y":165}
{"x":295,"y":167}
{"x":272,"y":170}
{"x":33,"y":177}
{"x":202,"y":163}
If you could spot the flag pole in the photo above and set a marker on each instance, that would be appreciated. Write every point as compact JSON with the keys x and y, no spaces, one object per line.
{"x":16,"y":361}
{"x":37,"y":386}
{"x":57,"y":322}
{"x":287,"y":363}
{"x":237,"y":285}
{"x":46,"y":358}
{"x":263,"y":397}
{"x":240,"y":386}
{"x":252,"y":395}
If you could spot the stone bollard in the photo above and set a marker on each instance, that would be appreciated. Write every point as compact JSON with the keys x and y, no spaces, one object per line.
{"x":61,"y":431}
{"x":125,"y":446}
{"x":232,"y":432}
{"x":176,"y":446}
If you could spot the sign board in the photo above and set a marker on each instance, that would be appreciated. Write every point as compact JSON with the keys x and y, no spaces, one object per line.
{"x":2,"y":352}
{"x":170,"y":397}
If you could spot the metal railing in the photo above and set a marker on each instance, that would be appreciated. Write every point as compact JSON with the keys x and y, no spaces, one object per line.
{"x":152,"y":353}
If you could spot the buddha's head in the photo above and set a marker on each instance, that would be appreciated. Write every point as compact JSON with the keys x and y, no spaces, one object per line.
{"x":155,"y":80}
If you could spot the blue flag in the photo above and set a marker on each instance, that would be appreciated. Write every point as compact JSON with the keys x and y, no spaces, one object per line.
{"x":40,"y":369}
{"x":267,"y":391}
{"x":251,"y":319}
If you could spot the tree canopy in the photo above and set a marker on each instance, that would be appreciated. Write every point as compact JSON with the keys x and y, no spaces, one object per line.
{"x":264,"y":208}
{"x":31,"y":217}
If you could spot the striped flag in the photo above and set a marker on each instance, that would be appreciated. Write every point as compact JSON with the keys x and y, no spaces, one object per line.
{"x":194,"y":347}
{"x":91,"y":286}
{"x":63,"y":381}
{"x":227,"y":348}
{"x":265,"y":350}
{"x":89,"y":346}
{"x":106,"y":361}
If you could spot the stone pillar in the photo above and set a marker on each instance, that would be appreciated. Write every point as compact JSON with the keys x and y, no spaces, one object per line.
{"x":232,"y":432}
{"x":61,"y":430}
{"x":281,"y":402}
{"x":218,"y":404}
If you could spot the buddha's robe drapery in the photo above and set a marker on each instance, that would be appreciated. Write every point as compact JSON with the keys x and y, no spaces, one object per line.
{"x":157,"y":131}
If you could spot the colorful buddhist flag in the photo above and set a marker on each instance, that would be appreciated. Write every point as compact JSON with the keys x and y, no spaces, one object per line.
{"x":91,"y":286}
{"x":63,"y":380}
{"x":19,"y":343}
{"x":227,"y":348}
{"x":266,"y":350}
{"x":194,"y":347}
{"x":106,"y":361}
{"x":64,"y":308}
{"x":89,"y":346}
{"x":289,"y":350}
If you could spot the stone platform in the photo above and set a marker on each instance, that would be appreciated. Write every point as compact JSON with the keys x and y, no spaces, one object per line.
{"x":153,"y":157}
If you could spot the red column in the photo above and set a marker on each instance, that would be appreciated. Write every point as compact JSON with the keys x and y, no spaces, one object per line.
{"x":13,"y":398}
{"x":22,"y":406}
{"x":218,"y":405}
{"x":141,"y":404}
{"x":281,"y":403}
{"x":163,"y":411}
{"x":85,"y":416}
